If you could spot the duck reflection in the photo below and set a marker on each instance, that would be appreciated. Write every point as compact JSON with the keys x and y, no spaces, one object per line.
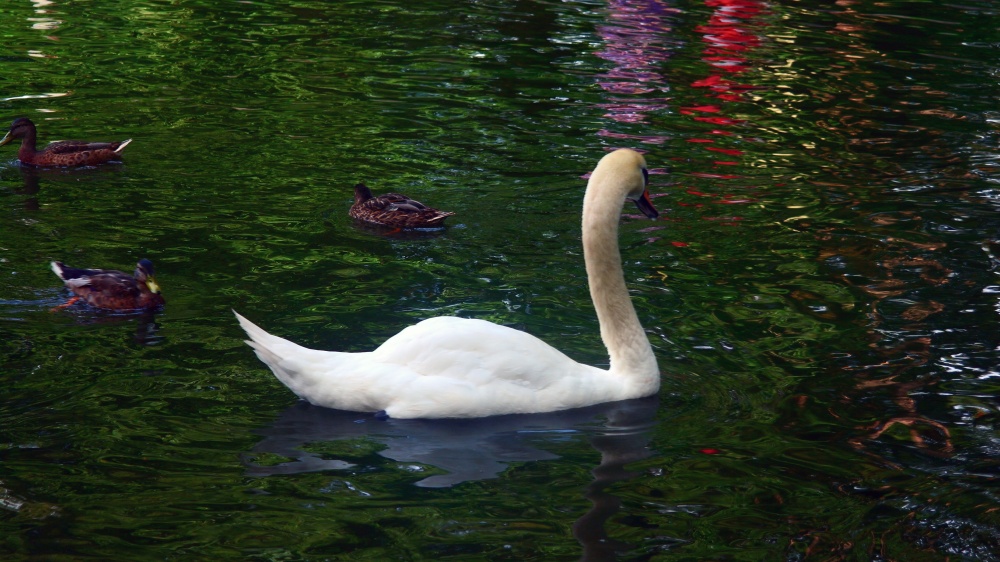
{"x":32,"y":179}
{"x":31,"y":185}
{"x":399,"y":233}
{"x":475,"y":449}
{"x":146,"y":332}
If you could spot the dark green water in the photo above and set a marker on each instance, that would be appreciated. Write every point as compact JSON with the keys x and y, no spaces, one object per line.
{"x":822,"y":291}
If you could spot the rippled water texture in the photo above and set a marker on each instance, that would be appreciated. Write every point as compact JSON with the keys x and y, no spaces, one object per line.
{"x":821,"y":292}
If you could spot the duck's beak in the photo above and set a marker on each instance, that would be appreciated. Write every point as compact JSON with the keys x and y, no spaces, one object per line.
{"x":6,"y":139}
{"x":153,"y":287}
{"x":645,"y":205}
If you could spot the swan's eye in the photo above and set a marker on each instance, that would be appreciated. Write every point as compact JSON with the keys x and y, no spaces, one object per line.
{"x":645,"y":176}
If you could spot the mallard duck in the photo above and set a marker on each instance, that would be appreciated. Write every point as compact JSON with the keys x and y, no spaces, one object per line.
{"x":111,"y":289}
{"x":59,"y":153}
{"x":394,"y":210}
{"x":448,"y":367}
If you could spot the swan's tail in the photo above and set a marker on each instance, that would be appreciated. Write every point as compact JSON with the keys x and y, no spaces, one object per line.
{"x":277,"y":353}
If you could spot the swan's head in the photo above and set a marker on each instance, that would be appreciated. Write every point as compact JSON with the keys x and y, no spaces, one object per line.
{"x":626,"y":169}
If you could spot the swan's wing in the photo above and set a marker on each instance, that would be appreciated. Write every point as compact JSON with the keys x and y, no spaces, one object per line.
{"x":458,"y":367}
{"x":477,"y":352}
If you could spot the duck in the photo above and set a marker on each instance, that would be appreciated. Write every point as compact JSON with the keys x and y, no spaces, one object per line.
{"x":111,"y":289}
{"x":394,"y":210}
{"x":59,"y":153}
{"x":451,"y":367}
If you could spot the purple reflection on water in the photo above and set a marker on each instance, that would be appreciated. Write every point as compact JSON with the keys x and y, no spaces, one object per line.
{"x":636,"y":41}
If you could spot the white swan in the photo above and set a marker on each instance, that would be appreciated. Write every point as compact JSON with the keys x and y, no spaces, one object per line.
{"x":448,"y":367}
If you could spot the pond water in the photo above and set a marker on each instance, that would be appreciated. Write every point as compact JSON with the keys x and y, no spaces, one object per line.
{"x":821,"y":291}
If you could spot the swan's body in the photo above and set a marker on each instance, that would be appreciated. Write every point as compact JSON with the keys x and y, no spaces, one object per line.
{"x":458,"y":367}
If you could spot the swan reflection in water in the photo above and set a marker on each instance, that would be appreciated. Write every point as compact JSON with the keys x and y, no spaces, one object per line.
{"x":474,"y":449}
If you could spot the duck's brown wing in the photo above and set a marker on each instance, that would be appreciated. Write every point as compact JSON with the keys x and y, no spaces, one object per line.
{"x":77,"y":153}
{"x":395,"y":201}
{"x":397,"y":210}
{"x":116,"y":292}
{"x":66,"y":273}
{"x":424,"y":218}
{"x":113,"y":284}
{"x":71,"y":146}
{"x":433,"y":217}
{"x":385,"y":203}
{"x":408,"y":206}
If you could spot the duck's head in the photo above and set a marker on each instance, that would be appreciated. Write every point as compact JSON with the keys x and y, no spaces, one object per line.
{"x":144,"y":274}
{"x":361,"y":193}
{"x":626,"y":169}
{"x":20,"y":128}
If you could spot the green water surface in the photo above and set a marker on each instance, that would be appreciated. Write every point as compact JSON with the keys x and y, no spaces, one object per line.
{"x":821,"y":290}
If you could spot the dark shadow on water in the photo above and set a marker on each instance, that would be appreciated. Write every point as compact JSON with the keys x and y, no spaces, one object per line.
{"x":476,"y":449}
{"x":469,"y":449}
{"x":31,"y":187}
{"x":49,"y":303}
{"x":146,"y":329}
{"x":33,"y":178}
{"x":30,"y":180}
{"x":623,"y":440}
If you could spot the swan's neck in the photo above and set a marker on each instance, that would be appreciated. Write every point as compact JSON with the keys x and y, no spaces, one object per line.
{"x":628,"y":346}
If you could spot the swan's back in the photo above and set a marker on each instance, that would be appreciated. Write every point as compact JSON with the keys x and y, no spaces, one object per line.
{"x":478,"y":352}
{"x":472,"y":368}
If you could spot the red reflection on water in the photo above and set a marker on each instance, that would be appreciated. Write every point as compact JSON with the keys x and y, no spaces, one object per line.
{"x":637,"y":39}
{"x":729,"y":151}
{"x":729,"y":34}
{"x":719,"y":120}
{"x":702,"y":108}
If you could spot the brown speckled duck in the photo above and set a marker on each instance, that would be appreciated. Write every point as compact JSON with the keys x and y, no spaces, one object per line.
{"x":111,"y":289}
{"x":394,"y":210}
{"x":60,"y":153}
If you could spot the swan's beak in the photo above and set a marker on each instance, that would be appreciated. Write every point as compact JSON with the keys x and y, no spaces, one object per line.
{"x":646,"y":205}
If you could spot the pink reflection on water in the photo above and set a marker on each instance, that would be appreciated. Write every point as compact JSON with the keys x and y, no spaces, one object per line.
{"x":639,"y":40}
{"x":645,"y":139}
{"x":636,"y":41}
